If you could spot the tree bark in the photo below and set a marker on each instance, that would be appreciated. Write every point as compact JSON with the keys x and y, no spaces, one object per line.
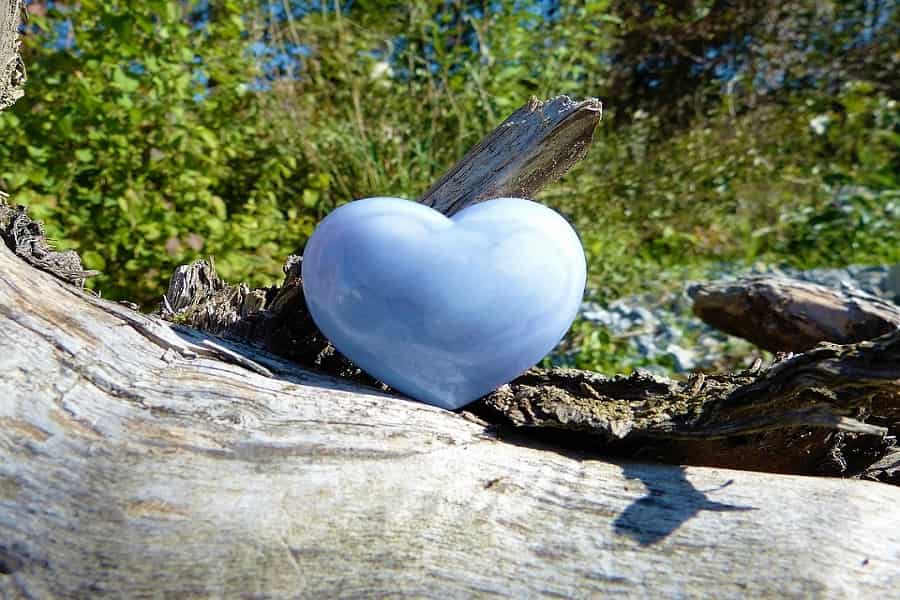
{"x":12,"y":69}
{"x":786,"y":315}
{"x":140,"y":457}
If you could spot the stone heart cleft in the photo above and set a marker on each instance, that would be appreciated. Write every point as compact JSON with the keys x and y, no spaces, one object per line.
{"x":442,"y":309}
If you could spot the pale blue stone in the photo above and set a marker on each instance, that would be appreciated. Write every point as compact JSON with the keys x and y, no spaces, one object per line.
{"x":444,"y":310}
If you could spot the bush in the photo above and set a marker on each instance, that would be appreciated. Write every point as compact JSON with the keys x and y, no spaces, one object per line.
{"x":158,"y":132}
{"x":141,"y":146}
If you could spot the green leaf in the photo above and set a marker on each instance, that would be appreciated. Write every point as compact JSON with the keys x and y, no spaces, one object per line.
{"x":208,"y":137}
{"x":84,"y":155}
{"x":310,"y":198}
{"x":124,"y":82}
{"x":93,"y":260}
{"x":219,"y":207}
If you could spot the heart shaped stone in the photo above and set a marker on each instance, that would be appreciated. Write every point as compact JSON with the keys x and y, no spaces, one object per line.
{"x":442,"y":309}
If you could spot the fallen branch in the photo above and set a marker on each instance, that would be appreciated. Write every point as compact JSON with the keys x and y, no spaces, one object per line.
{"x":697,"y":421}
{"x":781,"y":314}
{"x":534,"y":147}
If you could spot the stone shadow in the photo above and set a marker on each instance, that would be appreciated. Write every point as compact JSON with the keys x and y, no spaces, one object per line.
{"x":671,"y":500}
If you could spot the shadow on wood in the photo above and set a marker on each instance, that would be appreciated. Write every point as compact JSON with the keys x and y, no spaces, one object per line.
{"x":669,"y":503}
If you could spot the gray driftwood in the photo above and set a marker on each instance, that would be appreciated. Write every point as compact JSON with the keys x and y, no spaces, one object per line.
{"x":535,"y":146}
{"x":141,"y":459}
{"x":783,"y":314}
{"x":12,"y":69}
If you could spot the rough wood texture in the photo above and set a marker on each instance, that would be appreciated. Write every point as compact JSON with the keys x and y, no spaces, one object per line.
{"x":137,"y":460}
{"x":771,"y":409}
{"x":140,"y":458}
{"x":759,"y":419}
{"x":887,"y":469}
{"x":781,"y":314}
{"x":275,"y":319}
{"x":534,"y":147}
{"x":12,"y":69}
{"x":25,"y":238}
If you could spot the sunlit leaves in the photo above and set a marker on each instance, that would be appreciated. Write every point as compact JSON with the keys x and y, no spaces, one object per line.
{"x":120,"y":144}
{"x":150,"y":136}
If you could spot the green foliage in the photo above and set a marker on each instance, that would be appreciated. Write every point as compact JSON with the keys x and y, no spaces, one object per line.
{"x":134,"y":160}
{"x":393,"y":94}
{"x":126,"y":156}
{"x":593,"y":347}
{"x":763,"y":186}
{"x":855,"y":228}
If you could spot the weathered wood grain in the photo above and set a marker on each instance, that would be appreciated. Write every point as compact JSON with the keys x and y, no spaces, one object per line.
{"x":12,"y":69}
{"x":774,"y":418}
{"x":25,"y":238}
{"x":532,"y":148}
{"x":783,"y":314}
{"x":137,"y":461}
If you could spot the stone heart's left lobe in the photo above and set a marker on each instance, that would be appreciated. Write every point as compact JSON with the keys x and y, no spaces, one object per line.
{"x":442,"y":309}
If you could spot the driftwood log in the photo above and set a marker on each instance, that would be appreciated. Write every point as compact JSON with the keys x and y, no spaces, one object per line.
{"x":141,"y":457}
{"x":12,"y":69}
{"x":535,"y":146}
{"x":787,"y":315}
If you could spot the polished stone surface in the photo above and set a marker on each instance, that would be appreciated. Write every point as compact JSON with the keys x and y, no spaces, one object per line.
{"x":444,"y":310}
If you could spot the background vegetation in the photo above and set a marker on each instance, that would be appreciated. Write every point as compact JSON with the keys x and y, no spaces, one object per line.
{"x":157,"y":132}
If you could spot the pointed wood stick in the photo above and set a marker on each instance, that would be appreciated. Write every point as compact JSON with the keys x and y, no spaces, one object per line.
{"x":531,"y":149}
